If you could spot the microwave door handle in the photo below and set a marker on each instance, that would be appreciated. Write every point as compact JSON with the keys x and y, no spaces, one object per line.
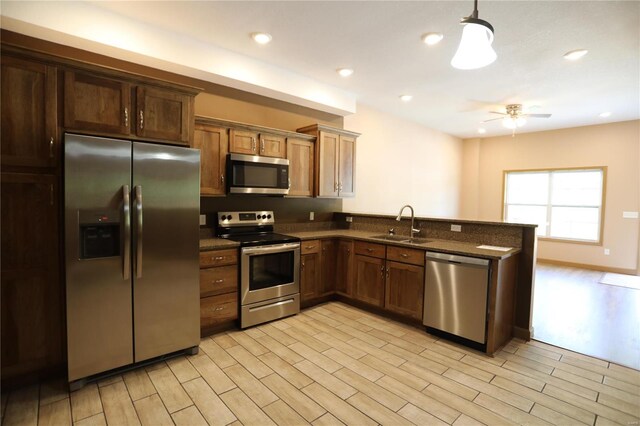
{"x":126,"y":245}
{"x":271,"y":248}
{"x":138,"y":192}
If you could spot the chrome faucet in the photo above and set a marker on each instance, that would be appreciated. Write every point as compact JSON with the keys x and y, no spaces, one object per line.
{"x":413,"y":229}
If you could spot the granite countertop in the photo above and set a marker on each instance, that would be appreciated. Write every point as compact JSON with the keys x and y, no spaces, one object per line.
{"x":444,"y":246}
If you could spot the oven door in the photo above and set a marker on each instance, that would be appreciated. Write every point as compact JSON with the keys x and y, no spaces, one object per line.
{"x":269,"y":271}
{"x":252,"y":174}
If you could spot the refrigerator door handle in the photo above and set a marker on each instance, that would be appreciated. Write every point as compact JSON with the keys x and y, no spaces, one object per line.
{"x":126,"y":217}
{"x":138,"y":193}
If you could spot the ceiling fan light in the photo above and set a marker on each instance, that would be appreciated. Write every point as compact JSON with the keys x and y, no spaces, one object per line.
{"x":509,"y":123}
{"x":475,"y":49}
{"x":520,"y":121}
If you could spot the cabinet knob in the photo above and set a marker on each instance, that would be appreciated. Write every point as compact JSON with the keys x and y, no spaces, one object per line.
{"x":404,"y":255}
{"x":309,"y":247}
{"x":302,"y":265}
{"x":369,"y":250}
{"x":262,"y":147}
{"x":222,"y":179}
{"x":51,"y":147}
{"x":218,"y":258}
{"x":141,"y":119}
{"x":126,"y":117}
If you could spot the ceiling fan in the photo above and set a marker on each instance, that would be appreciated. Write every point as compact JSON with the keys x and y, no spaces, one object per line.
{"x":514,"y":117}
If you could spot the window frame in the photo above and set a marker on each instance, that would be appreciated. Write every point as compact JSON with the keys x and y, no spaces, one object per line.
{"x":549,"y":206}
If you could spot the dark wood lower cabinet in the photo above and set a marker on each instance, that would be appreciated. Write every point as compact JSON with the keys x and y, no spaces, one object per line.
{"x":344,"y":268}
{"x":309,"y":276}
{"x":218,"y":290}
{"x":328,"y":258}
{"x":369,"y":280}
{"x":32,"y":290}
{"x":404,"y":290}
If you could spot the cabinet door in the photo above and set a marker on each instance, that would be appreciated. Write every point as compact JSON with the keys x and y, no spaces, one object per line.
{"x":404,"y":292}
{"x":29,"y":113}
{"x":309,"y":276}
{"x":213,"y":144}
{"x":32,"y":292}
{"x":328,"y":271}
{"x":97,"y":104}
{"x":344,"y":267}
{"x":163,"y":114}
{"x":369,"y":282}
{"x":327,"y":176}
{"x":243,"y":142}
{"x":273,"y":146}
{"x":300,"y":156}
{"x":347,"y":166}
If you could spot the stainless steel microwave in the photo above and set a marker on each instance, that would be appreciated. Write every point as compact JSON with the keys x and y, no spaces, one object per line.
{"x":252,"y":174}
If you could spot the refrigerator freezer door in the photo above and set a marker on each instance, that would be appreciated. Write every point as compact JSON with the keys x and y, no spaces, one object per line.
{"x":98,"y":286}
{"x":165,"y":206}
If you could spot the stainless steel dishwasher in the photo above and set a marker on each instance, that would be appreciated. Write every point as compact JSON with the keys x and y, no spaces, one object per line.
{"x":455,"y":295}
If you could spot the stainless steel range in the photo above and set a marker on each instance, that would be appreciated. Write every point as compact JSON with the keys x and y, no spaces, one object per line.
{"x":269,"y":266}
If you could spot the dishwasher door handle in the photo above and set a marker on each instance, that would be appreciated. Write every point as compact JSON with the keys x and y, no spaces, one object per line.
{"x":457,"y":259}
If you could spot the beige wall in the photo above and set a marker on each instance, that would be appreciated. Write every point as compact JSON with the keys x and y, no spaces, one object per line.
{"x":400,"y":162}
{"x":614,"y":145}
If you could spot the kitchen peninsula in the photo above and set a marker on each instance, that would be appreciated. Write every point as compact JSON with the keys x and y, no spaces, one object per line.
{"x":342,"y":259}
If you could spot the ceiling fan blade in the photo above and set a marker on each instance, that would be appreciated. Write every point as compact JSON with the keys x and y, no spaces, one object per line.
{"x":537,"y":115}
{"x":493,"y":119}
{"x":496,"y":112}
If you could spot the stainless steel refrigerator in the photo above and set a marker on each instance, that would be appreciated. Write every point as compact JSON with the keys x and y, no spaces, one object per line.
{"x":131,"y":247}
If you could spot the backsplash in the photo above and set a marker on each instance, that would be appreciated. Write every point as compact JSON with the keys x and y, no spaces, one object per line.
{"x":480,"y":233}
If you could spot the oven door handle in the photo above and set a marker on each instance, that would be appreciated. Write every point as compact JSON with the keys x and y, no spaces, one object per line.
{"x":274,"y":248}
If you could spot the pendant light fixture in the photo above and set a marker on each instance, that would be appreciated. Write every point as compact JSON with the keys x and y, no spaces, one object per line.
{"x":475,"y":49}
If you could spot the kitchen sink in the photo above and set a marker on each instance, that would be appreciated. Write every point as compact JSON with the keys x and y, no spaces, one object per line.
{"x":400,"y":239}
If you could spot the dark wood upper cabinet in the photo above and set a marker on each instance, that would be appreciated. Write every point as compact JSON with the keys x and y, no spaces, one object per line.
{"x":29,"y":113}
{"x":243,"y":142}
{"x":32,"y":294}
{"x":163,"y":114}
{"x":97,"y":104}
{"x":213,"y":143}
{"x":300,"y":156}
{"x":103,"y":105}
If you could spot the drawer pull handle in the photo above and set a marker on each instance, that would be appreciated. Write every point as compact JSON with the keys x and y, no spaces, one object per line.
{"x":219,"y":281}
{"x":370,"y":250}
{"x":218,"y":258}
{"x":405,"y":255}
{"x":219,"y":308}
{"x":309,"y":247}
{"x":141,"y":119}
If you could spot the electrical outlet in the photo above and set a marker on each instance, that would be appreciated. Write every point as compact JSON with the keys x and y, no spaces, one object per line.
{"x":312,"y":216}
{"x":607,"y":252}
{"x":349,"y":219}
{"x":456,"y":228}
{"x":203,"y":219}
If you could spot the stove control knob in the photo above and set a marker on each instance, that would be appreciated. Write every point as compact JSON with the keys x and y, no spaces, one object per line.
{"x":264,"y":216}
{"x":223,"y":217}
{"x":268,"y":216}
{"x":229,"y":217}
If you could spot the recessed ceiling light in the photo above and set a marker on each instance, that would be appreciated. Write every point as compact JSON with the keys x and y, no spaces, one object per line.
{"x":406,"y":98}
{"x":344,"y":72}
{"x":605,"y":114}
{"x":432,"y":38}
{"x":574,"y":55}
{"x":482,"y":131}
{"x":261,"y":38}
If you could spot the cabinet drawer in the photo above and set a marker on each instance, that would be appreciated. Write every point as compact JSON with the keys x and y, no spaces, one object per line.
{"x":405,"y":255}
{"x":218,"y":280}
{"x":218,"y":258}
{"x":217,"y":309}
{"x":309,"y":247}
{"x":369,"y":249}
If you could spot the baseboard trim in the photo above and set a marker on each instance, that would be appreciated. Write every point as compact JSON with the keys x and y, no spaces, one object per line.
{"x":590,"y":267}
{"x":522,"y":333}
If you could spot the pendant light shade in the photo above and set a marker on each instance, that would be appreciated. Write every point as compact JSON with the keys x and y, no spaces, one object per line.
{"x":475,"y":49}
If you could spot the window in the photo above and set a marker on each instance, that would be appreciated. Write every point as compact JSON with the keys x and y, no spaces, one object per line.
{"x":565,"y":204}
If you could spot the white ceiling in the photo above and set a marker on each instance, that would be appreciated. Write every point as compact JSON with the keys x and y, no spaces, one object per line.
{"x":381,"y":41}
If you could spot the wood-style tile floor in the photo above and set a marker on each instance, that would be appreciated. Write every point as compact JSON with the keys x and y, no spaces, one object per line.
{"x":334,"y":364}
